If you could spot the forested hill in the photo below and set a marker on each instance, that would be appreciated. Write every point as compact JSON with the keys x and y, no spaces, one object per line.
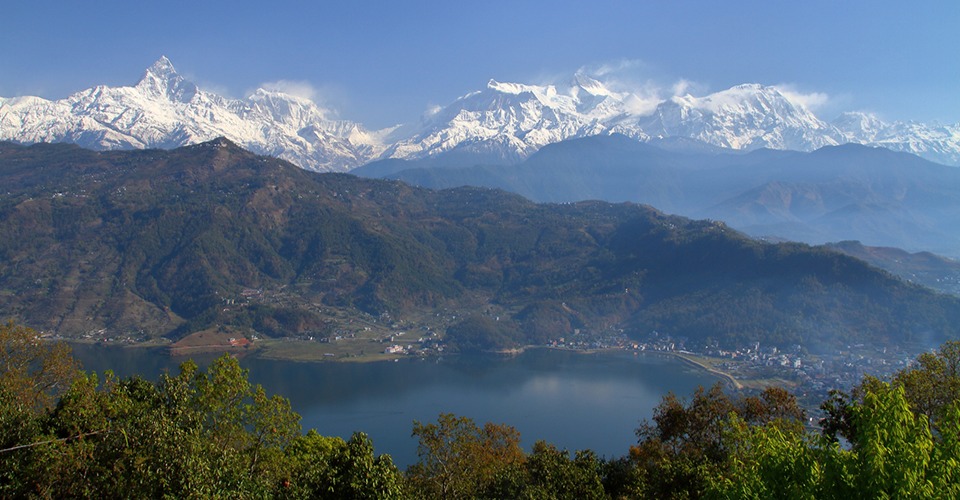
{"x":171,"y":242}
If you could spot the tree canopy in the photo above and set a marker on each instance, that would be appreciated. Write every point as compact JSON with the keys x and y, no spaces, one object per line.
{"x":211,"y":433}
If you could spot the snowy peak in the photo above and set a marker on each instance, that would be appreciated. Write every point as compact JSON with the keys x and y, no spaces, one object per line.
{"x":162,"y":80}
{"x":503,"y":122}
{"x":509,"y":88}
{"x":744,"y":99}
{"x":163,"y":110}
{"x":748,"y":116}
{"x":162,"y":69}
{"x":860,"y":126}
{"x":509,"y":121}
{"x":295,"y":111}
{"x":590,"y":86}
{"x":939,"y":143}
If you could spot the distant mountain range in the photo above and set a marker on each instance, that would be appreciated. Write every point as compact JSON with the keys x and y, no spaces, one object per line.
{"x":501,"y":124}
{"x":155,"y":242}
{"x":849,"y":192}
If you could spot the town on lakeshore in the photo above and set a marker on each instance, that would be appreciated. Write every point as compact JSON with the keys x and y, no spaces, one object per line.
{"x":365,"y":337}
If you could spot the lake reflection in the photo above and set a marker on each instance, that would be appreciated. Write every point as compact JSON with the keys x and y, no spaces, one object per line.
{"x":572,"y":400}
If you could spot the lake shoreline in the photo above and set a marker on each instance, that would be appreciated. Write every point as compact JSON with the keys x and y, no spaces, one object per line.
{"x":733,"y":382}
{"x":262,"y":350}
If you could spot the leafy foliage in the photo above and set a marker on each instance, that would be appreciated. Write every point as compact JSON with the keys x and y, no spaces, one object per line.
{"x":33,"y":373}
{"x":213,"y":434}
{"x":686,"y":444}
{"x":196,"y":434}
{"x":458,"y":459}
{"x":894,"y":455}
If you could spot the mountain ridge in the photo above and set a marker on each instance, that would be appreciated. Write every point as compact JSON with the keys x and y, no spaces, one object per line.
{"x":503,"y":123}
{"x":168,"y":242}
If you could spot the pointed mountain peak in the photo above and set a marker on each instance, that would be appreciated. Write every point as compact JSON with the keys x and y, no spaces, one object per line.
{"x":162,"y":69}
{"x":161,"y":79}
{"x":163,"y":63}
{"x":507,"y":88}
{"x":591,"y":85}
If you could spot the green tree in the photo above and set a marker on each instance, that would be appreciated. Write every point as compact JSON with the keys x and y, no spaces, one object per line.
{"x":766,"y":461}
{"x":329,"y":467}
{"x":687,"y":444}
{"x":549,"y":472}
{"x":894,"y":455}
{"x":196,"y":434}
{"x":33,"y":372}
{"x":932,"y":383}
{"x":931,"y":386}
{"x":458,"y":459}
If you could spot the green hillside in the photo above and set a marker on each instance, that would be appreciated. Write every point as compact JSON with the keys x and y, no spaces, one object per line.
{"x":165,"y":243}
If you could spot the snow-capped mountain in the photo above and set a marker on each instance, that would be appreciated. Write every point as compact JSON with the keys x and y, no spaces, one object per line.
{"x":743,"y":117}
{"x":510,"y":121}
{"x":503,"y":123}
{"x":935,"y":142}
{"x":507,"y":122}
{"x":163,"y":110}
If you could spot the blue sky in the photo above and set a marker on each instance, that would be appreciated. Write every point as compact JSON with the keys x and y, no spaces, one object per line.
{"x":386,"y":62}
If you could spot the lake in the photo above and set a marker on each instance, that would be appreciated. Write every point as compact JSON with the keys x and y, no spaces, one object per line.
{"x":571,"y":399}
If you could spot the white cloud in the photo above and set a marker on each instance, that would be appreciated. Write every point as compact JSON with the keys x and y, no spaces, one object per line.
{"x":810,"y":100}
{"x":643,"y":85}
{"x":683,"y":87}
{"x":330,"y":99}
{"x":613,"y":68}
{"x":296,"y":88}
{"x":641,"y":105}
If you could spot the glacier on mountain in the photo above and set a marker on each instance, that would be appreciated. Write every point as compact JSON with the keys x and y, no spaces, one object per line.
{"x":502,"y":123}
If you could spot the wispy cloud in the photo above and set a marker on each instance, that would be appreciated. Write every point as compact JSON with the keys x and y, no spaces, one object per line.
{"x":683,"y":87}
{"x":613,"y":68}
{"x":331,"y":99}
{"x":296,"y":88}
{"x":645,"y":85}
{"x":810,"y":100}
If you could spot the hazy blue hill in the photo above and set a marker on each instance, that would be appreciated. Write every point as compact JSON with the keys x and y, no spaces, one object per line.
{"x":164,"y":241}
{"x":925,"y":268}
{"x":835,"y":193}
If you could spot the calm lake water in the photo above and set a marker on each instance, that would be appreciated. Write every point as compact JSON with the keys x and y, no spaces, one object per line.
{"x":573,"y":400}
